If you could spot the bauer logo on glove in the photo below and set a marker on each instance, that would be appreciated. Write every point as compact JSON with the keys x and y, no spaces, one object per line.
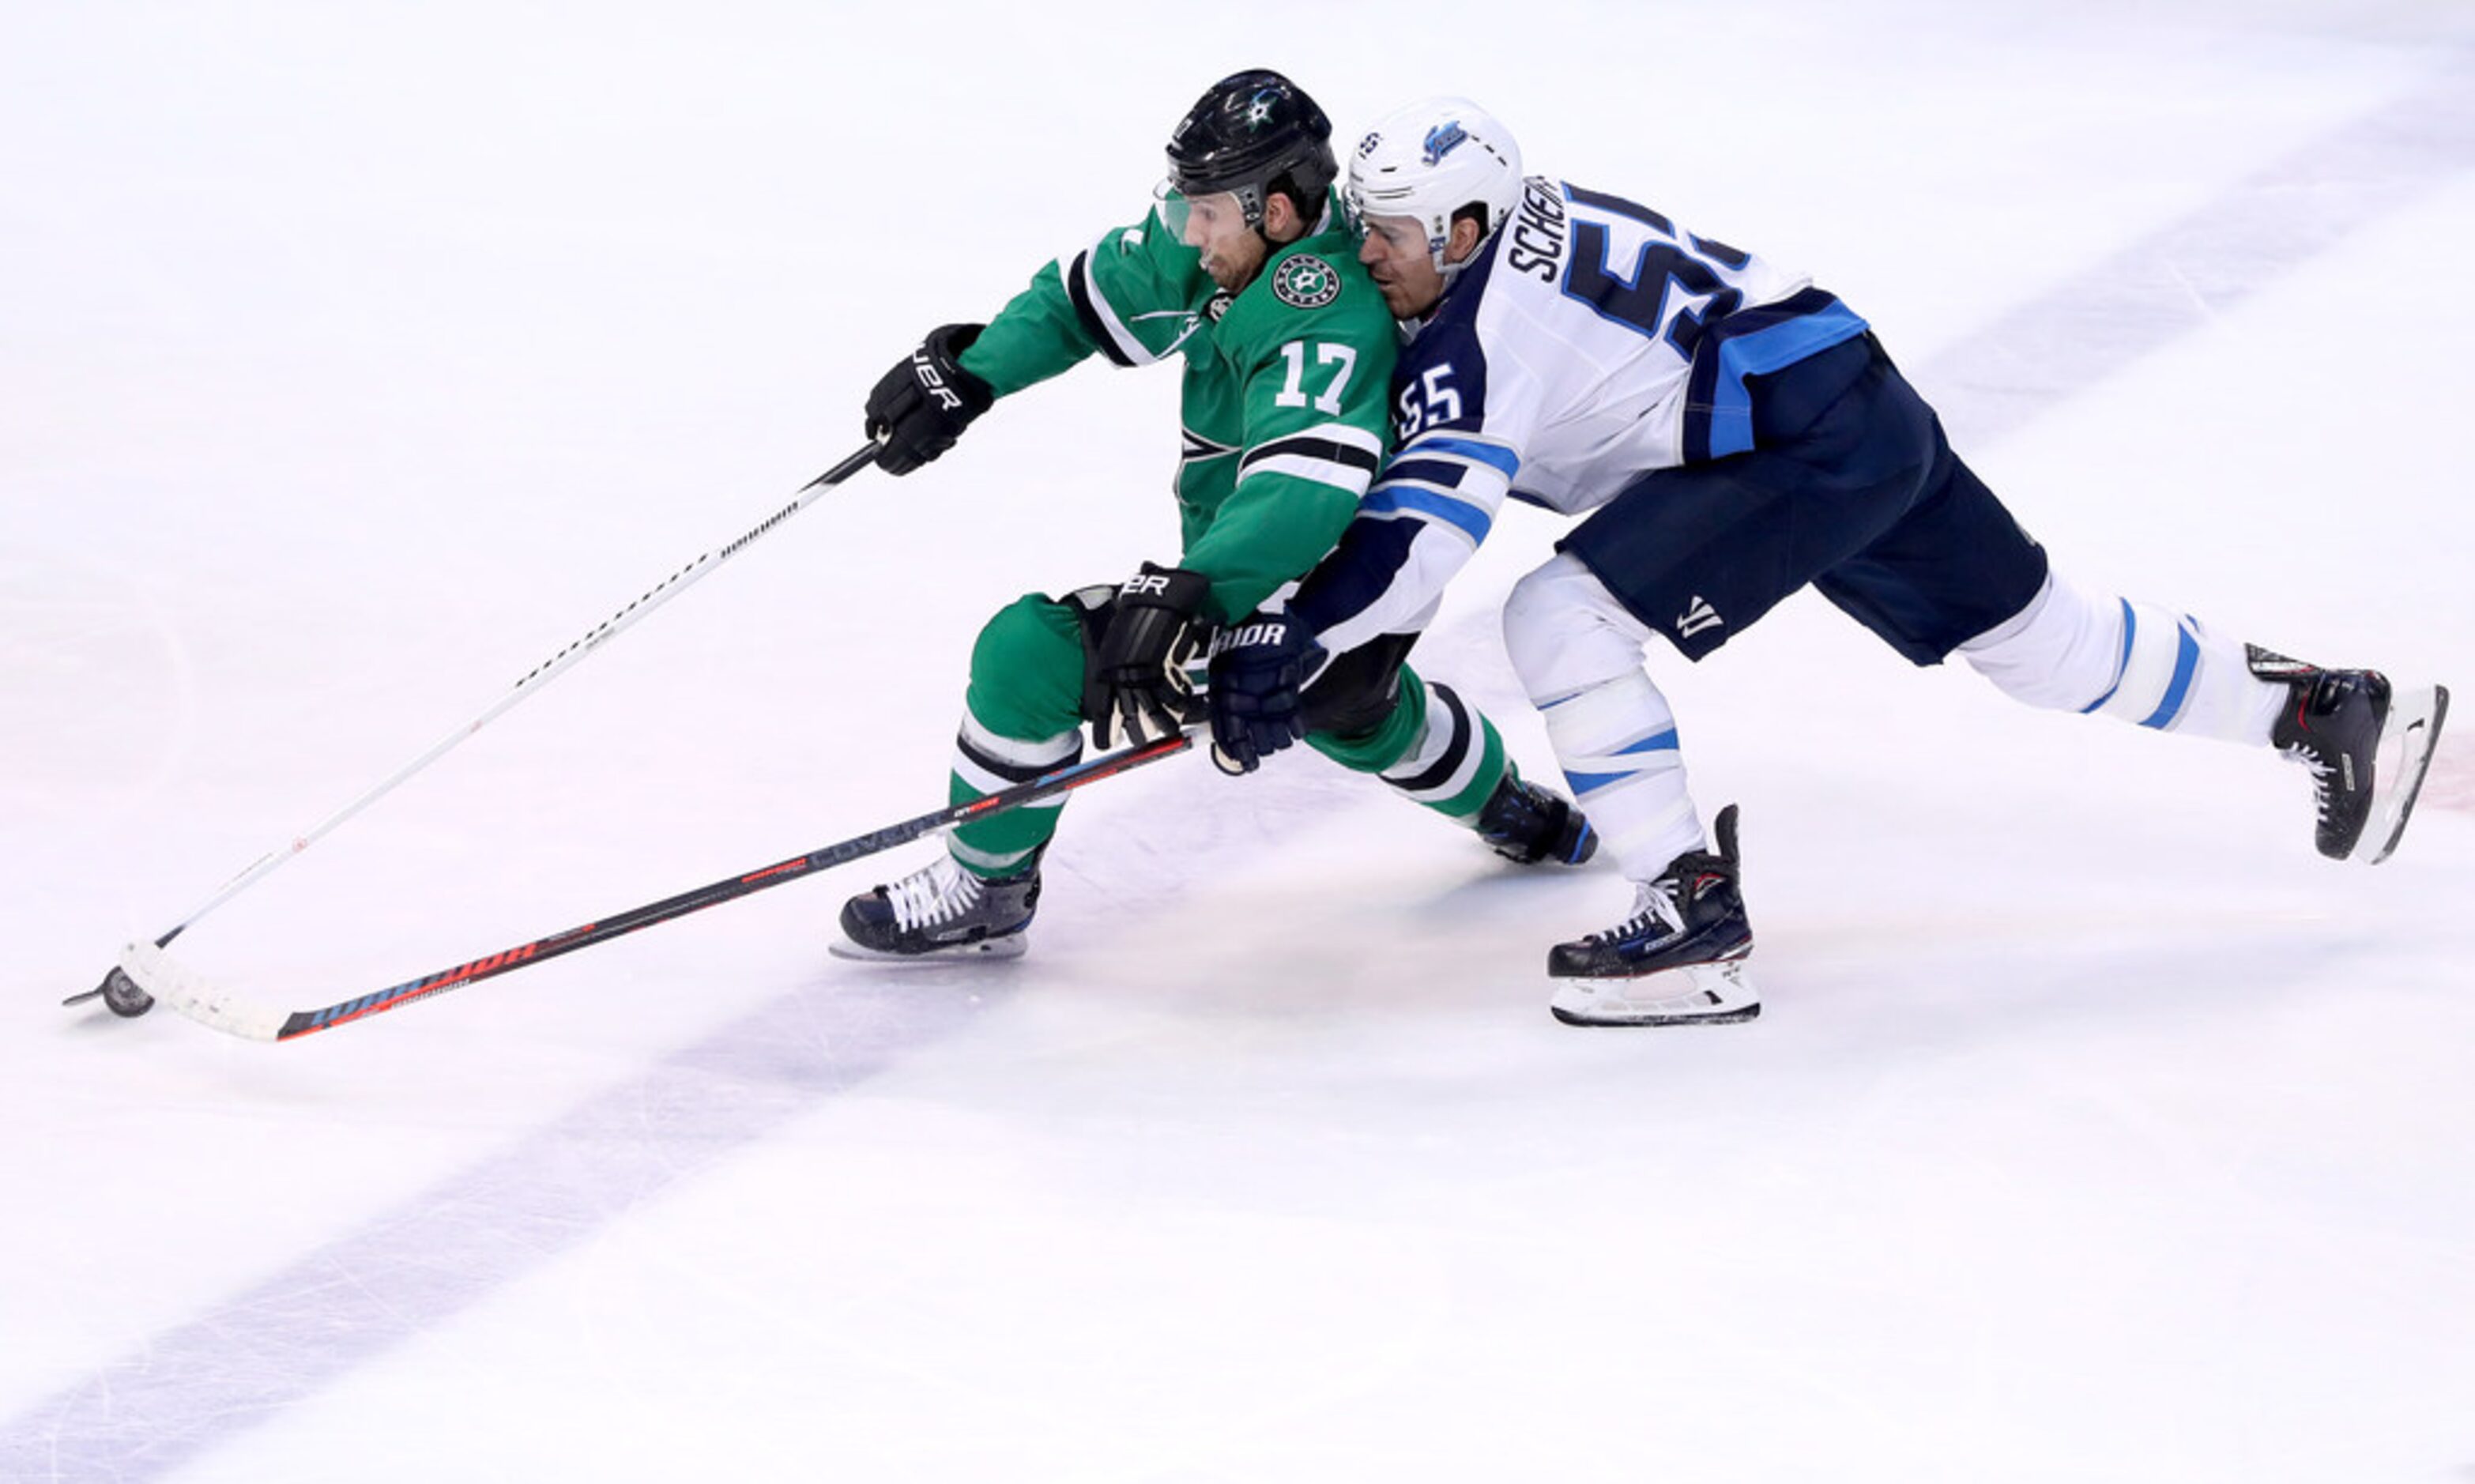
{"x":1137,"y":690}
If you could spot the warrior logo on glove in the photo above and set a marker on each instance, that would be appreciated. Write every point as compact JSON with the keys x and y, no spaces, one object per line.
{"x":1270,"y":632}
{"x":1258,"y":668}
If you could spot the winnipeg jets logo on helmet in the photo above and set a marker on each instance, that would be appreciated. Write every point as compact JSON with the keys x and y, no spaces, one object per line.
{"x":1429,"y":160}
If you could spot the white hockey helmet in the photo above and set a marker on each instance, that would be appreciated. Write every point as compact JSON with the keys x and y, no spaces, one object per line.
{"x":1429,"y":160}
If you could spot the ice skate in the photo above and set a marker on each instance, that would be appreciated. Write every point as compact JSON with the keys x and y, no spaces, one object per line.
{"x":2366,"y":744}
{"x":941,"y":912}
{"x":1527,"y":824}
{"x":1678,"y":960}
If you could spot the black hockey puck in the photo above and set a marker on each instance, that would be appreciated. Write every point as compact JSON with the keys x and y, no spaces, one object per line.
{"x":122,"y":996}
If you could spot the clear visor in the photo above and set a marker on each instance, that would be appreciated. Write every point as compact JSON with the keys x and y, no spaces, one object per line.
{"x":1198,"y":220}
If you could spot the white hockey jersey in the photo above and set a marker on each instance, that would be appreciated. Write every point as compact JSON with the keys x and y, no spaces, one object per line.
{"x":1592,"y":342}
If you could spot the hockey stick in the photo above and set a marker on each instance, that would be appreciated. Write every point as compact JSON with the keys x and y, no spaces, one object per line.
{"x":145,"y":969}
{"x":114,"y":991}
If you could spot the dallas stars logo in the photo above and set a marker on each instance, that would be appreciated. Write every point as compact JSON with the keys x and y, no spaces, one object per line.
{"x":1258,"y":108}
{"x":1306,"y":281}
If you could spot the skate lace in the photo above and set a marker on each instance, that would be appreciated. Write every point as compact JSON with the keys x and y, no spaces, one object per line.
{"x":1656,"y":902}
{"x":939,"y":892}
{"x":2322,"y":770}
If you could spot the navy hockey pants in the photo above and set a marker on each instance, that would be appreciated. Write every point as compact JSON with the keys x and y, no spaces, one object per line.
{"x":1849,"y":486}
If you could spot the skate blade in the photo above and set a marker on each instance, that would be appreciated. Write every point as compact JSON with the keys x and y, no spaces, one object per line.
{"x":1010,"y":946}
{"x":2404,"y":756}
{"x":1698,"y":994}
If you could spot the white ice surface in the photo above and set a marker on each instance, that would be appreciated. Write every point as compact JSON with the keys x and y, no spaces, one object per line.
{"x":355,"y":359}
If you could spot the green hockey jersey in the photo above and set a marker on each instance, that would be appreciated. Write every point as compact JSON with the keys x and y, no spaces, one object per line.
{"x":1284,"y":402}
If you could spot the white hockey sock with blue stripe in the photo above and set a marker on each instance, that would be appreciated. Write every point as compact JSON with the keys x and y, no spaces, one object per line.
{"x":1616,"y":743}
{"x":2136,"y":662}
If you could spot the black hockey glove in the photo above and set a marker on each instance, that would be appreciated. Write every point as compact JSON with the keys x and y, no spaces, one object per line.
{"x":919,"y":408}
{"x":1258,"y":669}
{"x":1139,"y":690}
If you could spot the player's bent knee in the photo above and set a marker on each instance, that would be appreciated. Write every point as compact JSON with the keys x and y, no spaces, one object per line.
{"x":1565,"y":632}
{"x":1028,"y":660}
{"x":1032,"y":630}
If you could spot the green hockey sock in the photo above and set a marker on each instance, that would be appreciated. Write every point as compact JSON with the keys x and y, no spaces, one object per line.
{"x":1432,"y":748}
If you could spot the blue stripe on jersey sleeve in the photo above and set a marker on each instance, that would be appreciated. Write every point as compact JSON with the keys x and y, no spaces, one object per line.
{"x":1399,"y":499}
{"x":1494,"y":455}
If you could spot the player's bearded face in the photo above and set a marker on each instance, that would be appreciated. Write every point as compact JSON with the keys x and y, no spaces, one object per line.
{"x":1231,"y":252}
{"x":1397,"y":257}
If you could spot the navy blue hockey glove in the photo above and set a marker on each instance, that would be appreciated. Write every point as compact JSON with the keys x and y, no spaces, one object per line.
{"x":1137,"y":688}
{"x":919,"y":408}
{"x":1258,"y":669}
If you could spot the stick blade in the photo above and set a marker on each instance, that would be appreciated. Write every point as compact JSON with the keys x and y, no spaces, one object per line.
{"x":184,"y":989}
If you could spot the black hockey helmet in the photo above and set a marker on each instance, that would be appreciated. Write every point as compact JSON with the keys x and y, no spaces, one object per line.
{"x":1252,"y":133}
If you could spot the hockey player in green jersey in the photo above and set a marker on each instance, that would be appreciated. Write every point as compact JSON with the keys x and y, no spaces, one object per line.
{"x":1245,"y":270}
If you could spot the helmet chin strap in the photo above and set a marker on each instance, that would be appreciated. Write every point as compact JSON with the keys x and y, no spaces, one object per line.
{"x":1452,"y":272}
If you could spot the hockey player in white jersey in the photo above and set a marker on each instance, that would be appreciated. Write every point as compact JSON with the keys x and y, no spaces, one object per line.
{"x":1728,"y":433}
